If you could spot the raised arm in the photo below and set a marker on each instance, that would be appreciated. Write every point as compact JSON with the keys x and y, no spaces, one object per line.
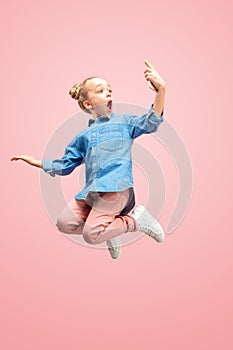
{"x":158,"y":85}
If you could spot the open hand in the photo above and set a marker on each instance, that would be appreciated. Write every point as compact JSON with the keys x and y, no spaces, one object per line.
{"x":153,"y":77}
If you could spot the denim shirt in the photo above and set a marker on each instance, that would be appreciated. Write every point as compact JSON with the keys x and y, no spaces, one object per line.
{"x":105,"y":148}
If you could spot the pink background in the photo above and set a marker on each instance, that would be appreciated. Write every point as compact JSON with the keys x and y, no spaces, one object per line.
{"x":56,"y":294}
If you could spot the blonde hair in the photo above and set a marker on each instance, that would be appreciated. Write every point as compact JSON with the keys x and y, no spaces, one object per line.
{"x":79,"y":92}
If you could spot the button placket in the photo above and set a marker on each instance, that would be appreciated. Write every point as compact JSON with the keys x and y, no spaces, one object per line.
{"x":94,"y":154}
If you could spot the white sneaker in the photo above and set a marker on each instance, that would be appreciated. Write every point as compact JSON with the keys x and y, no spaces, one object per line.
{"x":147,"y":223}
{"x":114,"y":247}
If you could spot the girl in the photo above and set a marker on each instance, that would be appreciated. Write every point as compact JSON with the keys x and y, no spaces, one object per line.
{"x":101,"y":210}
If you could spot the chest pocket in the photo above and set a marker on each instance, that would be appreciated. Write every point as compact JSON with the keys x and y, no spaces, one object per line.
{"x":111,"y":138}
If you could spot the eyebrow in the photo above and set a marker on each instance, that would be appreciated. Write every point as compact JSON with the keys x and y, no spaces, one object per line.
{"x":102,"y":85}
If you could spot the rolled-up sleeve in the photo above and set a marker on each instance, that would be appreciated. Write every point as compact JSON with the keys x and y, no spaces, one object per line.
{"x":145,"y":124}
{"x":65,"y":165}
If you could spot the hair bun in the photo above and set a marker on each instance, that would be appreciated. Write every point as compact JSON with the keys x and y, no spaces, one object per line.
{"x":75,"y":91}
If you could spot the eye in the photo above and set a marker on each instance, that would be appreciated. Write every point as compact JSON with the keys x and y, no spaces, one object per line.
{"x":110,"y":90}
{"x":100,"y":91}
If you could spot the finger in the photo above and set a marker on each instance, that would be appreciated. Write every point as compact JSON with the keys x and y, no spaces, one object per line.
{"x":148,"y":70}
{"x":150,"y":76}
{"x":148,"y":64}
{"x":16,"y":157}
{"x":146,"y":76}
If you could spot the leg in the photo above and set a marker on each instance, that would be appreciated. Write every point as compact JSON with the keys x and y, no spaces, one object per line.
{"x":104,"y":222}
{"x":73,"y":217}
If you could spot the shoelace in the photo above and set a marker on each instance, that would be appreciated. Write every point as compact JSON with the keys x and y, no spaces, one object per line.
{"x":150,"y":233}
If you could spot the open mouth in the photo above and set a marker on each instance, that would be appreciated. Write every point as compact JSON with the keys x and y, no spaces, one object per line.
{"x":109,"y":104}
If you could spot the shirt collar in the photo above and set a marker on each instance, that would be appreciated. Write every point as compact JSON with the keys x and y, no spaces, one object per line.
{"x":101,"y":119}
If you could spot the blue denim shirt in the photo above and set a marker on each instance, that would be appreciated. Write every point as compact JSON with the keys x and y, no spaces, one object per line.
{"x":105,"y":148}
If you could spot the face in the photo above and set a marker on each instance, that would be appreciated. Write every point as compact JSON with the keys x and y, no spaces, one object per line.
{"x":99,"y":98}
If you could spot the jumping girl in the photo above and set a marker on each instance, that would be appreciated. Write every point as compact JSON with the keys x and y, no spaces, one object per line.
{"x":101,"y":211}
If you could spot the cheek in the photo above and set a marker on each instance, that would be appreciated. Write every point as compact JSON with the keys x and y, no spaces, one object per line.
{"x":99,"y":100}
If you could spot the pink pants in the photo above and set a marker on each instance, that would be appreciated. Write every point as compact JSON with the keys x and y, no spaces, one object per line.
{"x":97,"y":217}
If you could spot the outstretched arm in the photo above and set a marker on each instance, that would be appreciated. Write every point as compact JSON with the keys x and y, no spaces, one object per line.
{"x":158,"y":85}
{"x":62,"y":166}
{"x":29,"y":159}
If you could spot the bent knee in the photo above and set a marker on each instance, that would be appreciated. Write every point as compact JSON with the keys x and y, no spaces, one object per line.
{"x":90,"y":234}
{"x":61,"y":224}
{"x":65,"y":226}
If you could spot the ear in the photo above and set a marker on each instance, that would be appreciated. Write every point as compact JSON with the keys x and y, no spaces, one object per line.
{"x":87,"y":105}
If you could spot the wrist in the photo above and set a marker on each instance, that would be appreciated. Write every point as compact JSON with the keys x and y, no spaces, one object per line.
{"x":36,"y":163}
{"x":162,"y":87}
